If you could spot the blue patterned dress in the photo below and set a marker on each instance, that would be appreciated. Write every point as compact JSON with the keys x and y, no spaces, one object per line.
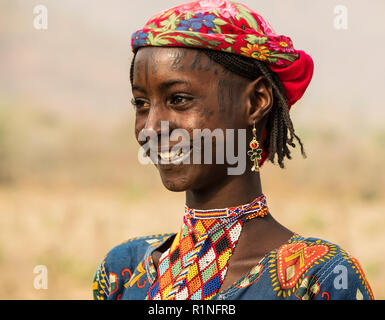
{"x":301,"y":269}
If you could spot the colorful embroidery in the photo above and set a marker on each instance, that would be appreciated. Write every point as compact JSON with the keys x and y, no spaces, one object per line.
{"x":308,"y":289}
{"x":196,"y":263}
{"x":113,"y":283}
{"x":251,"y":278}
{"x":123,"y":273}
{"x":359,"y":295}
{"x":289,"y":263}
{"x":361,"y":274}
{"x":325,"y":295}
{"x":100,"y":284}
{"x":113,"y":277}
{"x":293,"y":259}
{"x":136,"y":277}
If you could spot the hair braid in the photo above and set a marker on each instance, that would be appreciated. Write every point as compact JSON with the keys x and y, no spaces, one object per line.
{"x":132,"y":70}
{"x":274,"y":135}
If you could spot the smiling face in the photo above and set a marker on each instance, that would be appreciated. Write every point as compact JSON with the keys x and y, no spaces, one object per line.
{"x":190,"y":91}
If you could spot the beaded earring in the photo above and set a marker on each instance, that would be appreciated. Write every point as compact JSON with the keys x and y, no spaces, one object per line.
{"x":255,"y":152}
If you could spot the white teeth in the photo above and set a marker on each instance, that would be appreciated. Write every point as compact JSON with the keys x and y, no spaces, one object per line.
{"x":173,"y":156}
{"x":166,"y":155}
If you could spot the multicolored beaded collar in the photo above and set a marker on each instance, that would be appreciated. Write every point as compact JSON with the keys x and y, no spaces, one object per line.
{"x":256,"y":208}
{"x":195,"y":265}
{"x":232,"y":212}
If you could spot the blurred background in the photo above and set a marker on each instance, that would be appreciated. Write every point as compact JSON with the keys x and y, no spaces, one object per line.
{"x":71,"y":186}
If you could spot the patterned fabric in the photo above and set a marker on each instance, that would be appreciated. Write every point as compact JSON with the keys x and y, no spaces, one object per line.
{"x":219,"y":25}
{"x":301,"y":269}
{"x":231,"y":27}
{"x":194,"y":267}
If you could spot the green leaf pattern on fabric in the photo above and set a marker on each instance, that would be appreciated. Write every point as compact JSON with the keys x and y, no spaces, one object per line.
{"x":253,"y":39}
{"x":245,"y":14}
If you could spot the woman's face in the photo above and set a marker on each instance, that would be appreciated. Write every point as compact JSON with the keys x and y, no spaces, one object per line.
{"x":190,"y":91}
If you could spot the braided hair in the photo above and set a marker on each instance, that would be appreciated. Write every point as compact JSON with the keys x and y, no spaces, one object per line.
{"x":279,"y":122}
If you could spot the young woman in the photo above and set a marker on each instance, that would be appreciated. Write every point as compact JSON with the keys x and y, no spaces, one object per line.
{"x":219,"y":66}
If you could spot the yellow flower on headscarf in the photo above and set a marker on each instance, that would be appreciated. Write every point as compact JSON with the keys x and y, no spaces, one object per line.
{"x":256,"y":51}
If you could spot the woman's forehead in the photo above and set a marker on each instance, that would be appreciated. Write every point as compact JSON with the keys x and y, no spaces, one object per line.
{"x":174,"y":59}
{"x":165,"y":52}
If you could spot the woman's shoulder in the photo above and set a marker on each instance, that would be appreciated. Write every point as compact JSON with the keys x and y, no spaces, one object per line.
{"x":122,"y":260}
{"x":136,"y":247}
{"x":132,"y":250}
{"x":315,"y":265}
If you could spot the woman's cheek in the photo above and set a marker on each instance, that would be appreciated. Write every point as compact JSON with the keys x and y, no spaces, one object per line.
{"x":139,"y":125}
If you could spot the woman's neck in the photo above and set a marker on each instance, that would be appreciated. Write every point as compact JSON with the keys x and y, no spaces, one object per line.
{"x":233,"y":191}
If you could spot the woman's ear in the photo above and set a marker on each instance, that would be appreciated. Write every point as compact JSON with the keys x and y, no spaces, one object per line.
{"x":259,"y":100}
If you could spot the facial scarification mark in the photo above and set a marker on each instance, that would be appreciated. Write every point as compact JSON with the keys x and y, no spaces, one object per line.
{"x":201,"y":124}
{"x":229,"y":91}
{"x":138,"y":71}
{"x":178,"y":57}
{"x":223,"y":95}
{"x":206,"y":113}
{"x":183,"y":179}
{"x":154,"y":64}
{"x":171,"y":185}
{"x":225,"y":71}
{"x":209,"y":66}
{"x":146,"y":70}
{"x":197,"y":63}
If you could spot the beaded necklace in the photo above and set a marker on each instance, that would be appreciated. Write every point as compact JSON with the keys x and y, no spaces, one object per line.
{"x":195,"y":265}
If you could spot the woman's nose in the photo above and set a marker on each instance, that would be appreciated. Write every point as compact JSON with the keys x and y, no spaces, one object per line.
{"x":153,"y":121}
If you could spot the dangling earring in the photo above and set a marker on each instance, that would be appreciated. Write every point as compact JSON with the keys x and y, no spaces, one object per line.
{"x":255,"y":152}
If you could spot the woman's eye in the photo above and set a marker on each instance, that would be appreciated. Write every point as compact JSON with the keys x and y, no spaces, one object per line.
{"x":139,"y":103}
{"x":179,"y":100}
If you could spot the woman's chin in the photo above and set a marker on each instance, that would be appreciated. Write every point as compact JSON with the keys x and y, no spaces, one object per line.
{"x":189,"y":177}
{"x":175,"y":185}
{"x":175,"y":179}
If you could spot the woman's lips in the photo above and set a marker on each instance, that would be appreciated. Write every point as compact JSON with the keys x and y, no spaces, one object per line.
{"x":173,"y":155}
